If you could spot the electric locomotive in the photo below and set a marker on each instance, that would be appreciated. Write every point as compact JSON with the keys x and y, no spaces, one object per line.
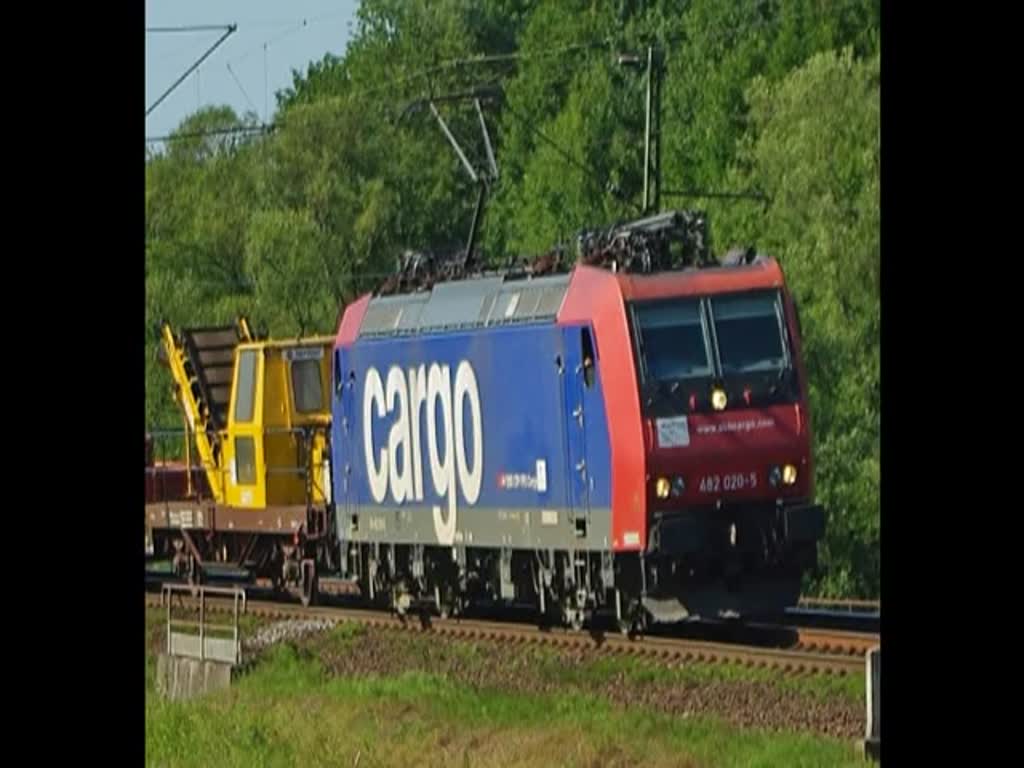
{"x":627,"y":437}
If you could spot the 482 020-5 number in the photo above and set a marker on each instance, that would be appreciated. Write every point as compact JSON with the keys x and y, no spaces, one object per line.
{"x":736,"y":481}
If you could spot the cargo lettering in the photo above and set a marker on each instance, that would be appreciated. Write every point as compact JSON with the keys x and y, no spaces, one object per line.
{"x":404,"y":395}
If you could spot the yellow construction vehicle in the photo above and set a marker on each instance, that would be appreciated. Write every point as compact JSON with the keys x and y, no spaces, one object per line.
{"x":258,"y":415}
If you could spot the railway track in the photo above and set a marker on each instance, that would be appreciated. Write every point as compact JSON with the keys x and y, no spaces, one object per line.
{"x":826,"y":614}
{"x":838,"y":605}
{"x":814,"y":652}
{"x":835,"y":642}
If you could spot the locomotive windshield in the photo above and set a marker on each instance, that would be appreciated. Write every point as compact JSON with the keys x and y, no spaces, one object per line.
{"x":674,"y":341}
{"x":748,"y":331}
{"x":738,"y":338}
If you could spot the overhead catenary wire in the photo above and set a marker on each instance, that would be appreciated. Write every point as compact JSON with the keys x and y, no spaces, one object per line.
{"x":507,"y":58}
{"x":241,"y":87}
{"x":457,"y":63}
{"x":190,"y":28}
{"x":449,"y":64}
{"x":482,"y":59}
{"x":227,"y":33}
{"x":292,"y":25}
{"x":564,"y":154}
{"x":260,"y":128}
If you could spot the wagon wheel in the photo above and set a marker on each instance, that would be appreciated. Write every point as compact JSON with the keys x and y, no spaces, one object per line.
{"x":309,"y":583}
{"x":276,"y":565}
{"x":194,"y":575}
{"x":179,"y":565}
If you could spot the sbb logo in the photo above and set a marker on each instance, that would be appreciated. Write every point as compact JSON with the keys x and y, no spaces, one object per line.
{"x":405,"y":396}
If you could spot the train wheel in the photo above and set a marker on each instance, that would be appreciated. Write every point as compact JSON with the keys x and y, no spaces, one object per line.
{"x":444,"y":598}
{"x":633,"y":623}
{"x":576,"y":612}
{"x":576,"y":620}
{"x":550,"y":613}
{"x":625,"y":626}
{"x":573,"y":616}
{"x":401,"y":597}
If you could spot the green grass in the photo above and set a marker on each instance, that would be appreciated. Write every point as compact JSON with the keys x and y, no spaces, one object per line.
{"x":288,"y":711}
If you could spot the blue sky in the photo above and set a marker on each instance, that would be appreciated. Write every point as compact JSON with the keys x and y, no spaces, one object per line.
{"x":271,"y":40}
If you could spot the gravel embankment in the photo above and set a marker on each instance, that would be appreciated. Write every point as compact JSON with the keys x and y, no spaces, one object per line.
{"x":746,"y":703}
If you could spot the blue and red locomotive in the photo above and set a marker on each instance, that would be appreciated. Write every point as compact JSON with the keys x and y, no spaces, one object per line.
{"x":623,"y":438}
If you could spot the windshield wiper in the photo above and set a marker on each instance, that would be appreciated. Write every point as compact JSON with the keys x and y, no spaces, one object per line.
{"x":783,"y":381}
{"x":661,"y":390}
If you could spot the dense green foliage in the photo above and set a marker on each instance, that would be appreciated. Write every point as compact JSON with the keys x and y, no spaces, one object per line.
{"x":782,"y":98}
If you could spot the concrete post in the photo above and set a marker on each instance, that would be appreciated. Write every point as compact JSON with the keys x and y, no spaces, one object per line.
{"x":873,"y":737}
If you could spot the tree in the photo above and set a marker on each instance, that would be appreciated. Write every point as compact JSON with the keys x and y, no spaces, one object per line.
{"x":814,"y":148}
{"x":289,"y":227}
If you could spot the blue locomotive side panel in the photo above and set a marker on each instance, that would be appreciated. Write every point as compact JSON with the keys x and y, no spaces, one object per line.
{"x":473,"y":437}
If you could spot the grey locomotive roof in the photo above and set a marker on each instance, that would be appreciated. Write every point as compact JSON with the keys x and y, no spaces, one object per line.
{"x":476,"y":303}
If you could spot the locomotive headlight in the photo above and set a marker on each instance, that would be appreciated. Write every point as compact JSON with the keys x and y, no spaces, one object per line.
{"x":678,"y":486}
{"x":774,"y":476}
{"x":789,"y":474}
{"x":719,"y":399}
{"x":662,"y":488}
